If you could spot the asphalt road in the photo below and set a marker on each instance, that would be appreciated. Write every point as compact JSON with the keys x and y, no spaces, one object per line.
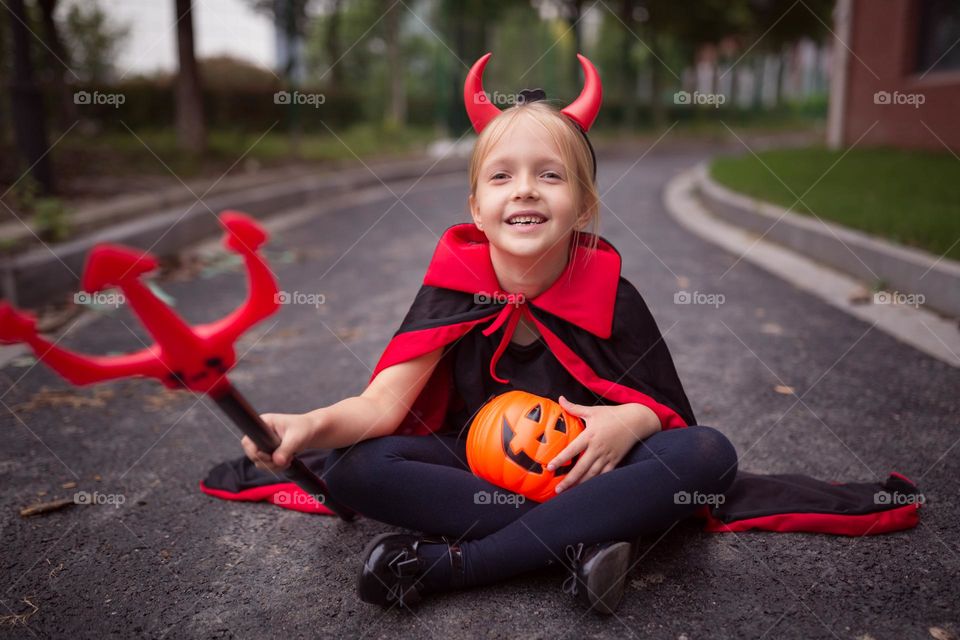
{"x":172,"y":562}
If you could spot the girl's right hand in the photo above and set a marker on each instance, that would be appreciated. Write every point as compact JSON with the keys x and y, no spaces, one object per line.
{"x":294,"y":432}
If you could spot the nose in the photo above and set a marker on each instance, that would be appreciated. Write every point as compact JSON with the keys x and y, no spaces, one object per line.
{"x":525,"y":187}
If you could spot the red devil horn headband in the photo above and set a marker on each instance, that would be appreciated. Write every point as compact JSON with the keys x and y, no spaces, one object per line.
{"x":583,"y":110}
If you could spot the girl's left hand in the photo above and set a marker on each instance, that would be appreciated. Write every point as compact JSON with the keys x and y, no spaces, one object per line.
{"x":612,"y":432}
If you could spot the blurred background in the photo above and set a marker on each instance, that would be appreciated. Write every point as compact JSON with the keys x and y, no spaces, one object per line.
{"x":109,"y":97}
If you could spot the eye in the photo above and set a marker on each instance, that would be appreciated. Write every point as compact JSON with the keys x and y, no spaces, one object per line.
{"x":561,"y":425}
{"x":553,"y":175}
{"x":499,"y":175}
{"x":534,"y":414}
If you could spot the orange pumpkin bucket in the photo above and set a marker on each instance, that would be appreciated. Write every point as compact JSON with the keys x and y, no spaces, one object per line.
{"x":514,"y":436}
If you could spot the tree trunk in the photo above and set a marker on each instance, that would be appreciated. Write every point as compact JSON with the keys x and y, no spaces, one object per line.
{"x":628,"y":75}
{"x":26,"y":102}
{"x":58,"y":57}
{"x":331,"y":42}
{"x":191,"y":129}
{"x":658,"y":111}
{"x":397,"y":110}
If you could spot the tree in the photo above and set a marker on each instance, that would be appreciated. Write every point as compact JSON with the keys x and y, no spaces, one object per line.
{"x":58,"y":64}
{"x":397,"y":101}
{"x":26,"y":103}
{"x":92,"y":39}
{"x":191,"y":126}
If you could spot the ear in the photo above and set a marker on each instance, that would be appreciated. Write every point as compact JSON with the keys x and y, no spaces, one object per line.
{"x":474,"y":211}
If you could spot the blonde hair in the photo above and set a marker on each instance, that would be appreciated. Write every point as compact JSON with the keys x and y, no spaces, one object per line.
{"x":574,"y":155}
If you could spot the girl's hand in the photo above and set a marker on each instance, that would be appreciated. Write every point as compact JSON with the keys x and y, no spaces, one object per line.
{"x":613,"y":430}
{"x":295,"y":432}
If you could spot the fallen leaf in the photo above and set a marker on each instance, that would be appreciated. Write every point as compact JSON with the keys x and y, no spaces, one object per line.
{"x":44,"y":507}
{"x":47,"y":397}
{"x":784,"y":389}
{"x":941,"y":634}
{"x":69,"y":485}
{"x":860,"y":296}
{"x":19,"y":618}
{"x":771,"y":328}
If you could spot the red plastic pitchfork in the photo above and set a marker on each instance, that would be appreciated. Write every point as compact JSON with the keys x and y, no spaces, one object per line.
{"x":183,"y":357}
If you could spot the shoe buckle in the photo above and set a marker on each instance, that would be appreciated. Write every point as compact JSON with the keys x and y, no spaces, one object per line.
{"x":404,"y":566}
{"x":574,"y":553}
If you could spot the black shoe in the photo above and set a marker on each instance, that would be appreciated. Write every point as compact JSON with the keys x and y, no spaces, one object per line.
{"x":598,"y":574}
{"x":392,"y":569}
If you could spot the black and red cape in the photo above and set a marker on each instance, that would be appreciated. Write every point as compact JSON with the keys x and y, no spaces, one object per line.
{"x":600,"y":330}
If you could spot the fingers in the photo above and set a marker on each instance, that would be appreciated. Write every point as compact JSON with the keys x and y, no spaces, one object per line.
{"x":579,"y":444}
{"x":585,"y":469}
{"x":574,"y":475}
{"x":260,"y":459}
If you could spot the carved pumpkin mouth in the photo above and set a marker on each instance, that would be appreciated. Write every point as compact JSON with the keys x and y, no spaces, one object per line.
{"x":524,"y":460}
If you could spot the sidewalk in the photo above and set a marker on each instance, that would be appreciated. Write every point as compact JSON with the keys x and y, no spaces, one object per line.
{"x":177,"y":217}
{"x":816,"y":256}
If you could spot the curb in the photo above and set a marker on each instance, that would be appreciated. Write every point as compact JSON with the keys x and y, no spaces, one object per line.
{"x":867,"y":258}
{"x":919,"y":328}
{"x":42,"y":274}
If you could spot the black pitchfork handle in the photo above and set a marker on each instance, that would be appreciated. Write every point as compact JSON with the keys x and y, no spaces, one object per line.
{"x":243,"y":415}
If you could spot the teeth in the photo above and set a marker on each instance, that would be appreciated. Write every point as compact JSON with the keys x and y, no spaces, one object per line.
{"x":526,"y":220}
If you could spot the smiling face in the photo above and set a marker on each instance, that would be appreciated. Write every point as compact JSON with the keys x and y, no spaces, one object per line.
{"x":523,"y":174}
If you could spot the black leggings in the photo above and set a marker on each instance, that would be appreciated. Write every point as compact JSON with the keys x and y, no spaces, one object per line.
{"x":423,"y":483}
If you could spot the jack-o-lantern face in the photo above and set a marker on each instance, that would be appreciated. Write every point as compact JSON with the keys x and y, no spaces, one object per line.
{"x":514,"y":436}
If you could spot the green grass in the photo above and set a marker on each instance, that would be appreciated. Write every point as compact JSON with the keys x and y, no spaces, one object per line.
{"x":123,"y":153}
{"x":909,"y":197}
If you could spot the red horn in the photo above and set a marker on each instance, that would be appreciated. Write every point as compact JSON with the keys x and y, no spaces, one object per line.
{"x":584,"y":109}
{"x":478,"y":105}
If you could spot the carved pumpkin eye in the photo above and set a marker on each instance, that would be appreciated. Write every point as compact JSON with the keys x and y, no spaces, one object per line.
{"x":561,"y":425}
{"x":534,"y":414}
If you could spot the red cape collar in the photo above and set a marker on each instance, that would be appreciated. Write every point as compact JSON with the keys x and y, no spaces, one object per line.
{"x":584,"y":294}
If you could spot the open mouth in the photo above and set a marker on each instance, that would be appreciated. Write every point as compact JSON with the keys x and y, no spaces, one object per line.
{"x":525,"y":219}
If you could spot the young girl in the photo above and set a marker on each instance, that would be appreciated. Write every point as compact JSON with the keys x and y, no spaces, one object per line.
{"x":571,"y":329}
